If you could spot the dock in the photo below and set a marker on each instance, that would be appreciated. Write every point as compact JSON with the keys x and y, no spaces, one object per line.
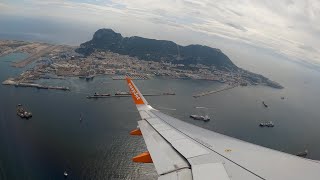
{"x":212,"y":92}
{"x":129,"y":95}
{"x":133,"y":77}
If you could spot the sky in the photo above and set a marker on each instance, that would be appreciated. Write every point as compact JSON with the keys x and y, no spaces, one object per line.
{"x":290,"y":28}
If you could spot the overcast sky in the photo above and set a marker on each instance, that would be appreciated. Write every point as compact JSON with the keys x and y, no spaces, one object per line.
{"x":287,"y":27}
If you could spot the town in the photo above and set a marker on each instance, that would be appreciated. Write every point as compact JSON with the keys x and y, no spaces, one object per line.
{"x":61,"y":61}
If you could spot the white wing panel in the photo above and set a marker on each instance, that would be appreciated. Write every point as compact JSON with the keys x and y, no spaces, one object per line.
{"x":171,"y":135}
{"x":209,"y":171}
{"x":161,"y":127}
{"x":144,"y":114}
{"x":164,"y":157}
{"x":154,"y":121}
{"x":188,"y":148}
{"x":184,"y":174}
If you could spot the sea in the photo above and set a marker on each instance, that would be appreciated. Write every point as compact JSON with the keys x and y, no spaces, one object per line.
{"x":89,"y":138}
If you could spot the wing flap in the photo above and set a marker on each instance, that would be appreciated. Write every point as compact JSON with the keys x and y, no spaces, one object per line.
{"x":165,"y":158}
{"x":180,"y":142}
{"x":209,"y":171}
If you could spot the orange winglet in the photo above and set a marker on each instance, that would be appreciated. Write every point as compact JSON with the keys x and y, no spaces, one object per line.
{"x":134,"y":92}
{"x":136,"y":132}
{"x":143,"y":158}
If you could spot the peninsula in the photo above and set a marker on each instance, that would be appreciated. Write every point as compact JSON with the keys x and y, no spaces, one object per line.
{"x":108,"y":53}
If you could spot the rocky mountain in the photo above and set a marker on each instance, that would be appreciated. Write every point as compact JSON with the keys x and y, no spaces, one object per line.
{"x":155,"y":50}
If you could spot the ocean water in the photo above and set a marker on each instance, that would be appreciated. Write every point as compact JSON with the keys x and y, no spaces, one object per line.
{"x":100,"y":147}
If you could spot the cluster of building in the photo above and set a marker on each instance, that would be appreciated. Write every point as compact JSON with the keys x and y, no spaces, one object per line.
{"x":69,"y":63}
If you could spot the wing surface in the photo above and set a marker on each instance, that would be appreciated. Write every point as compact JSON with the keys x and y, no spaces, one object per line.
{"x":180,"y":150}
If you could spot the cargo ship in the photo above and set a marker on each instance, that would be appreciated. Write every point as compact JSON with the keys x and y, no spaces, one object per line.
{"x":122,"y":93}
{"x":97,"y":94}
{"x":267,"y":124}
{"x":202,"y":118}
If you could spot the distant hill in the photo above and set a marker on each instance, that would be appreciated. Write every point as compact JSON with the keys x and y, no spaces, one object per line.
{"x":155,"y":50}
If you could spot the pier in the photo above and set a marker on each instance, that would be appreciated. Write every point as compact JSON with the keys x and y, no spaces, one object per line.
{"x":133,"y":77}
{"x":214,"y":91}
{"x":129,"y":95}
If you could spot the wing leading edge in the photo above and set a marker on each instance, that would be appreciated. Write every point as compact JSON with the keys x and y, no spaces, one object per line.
{"x":183,"y":151}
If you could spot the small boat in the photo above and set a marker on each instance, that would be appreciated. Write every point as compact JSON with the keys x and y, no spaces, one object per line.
{"x":22,"y":112}
{"x":266,"y":124}
{"x":65,"y":174}
{"x":265,"y":105}
{"x":90,"y":77}
{"x":303,"y":154}
{"x":197,"y":117}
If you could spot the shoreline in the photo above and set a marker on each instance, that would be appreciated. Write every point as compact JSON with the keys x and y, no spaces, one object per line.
{"x":61,"y":61}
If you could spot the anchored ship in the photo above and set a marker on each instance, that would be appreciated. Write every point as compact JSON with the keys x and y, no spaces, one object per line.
{"x":197,"y":117}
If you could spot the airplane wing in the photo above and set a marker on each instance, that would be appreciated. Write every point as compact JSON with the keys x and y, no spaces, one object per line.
{"x":182,"y":151}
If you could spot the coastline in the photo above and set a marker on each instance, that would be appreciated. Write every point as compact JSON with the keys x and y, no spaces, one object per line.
{"x":61,"y":61}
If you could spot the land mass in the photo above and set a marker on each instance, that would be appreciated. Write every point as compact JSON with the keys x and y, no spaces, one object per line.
{"x":108,"y":53}
{"x":155,"y":50}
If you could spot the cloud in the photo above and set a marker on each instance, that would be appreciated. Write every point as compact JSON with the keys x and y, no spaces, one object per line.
{"x":236,"y":26}
{"x":290,"y":27}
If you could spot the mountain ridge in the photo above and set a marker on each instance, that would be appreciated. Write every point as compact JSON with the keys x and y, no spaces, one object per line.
{"x":156,"y":50}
